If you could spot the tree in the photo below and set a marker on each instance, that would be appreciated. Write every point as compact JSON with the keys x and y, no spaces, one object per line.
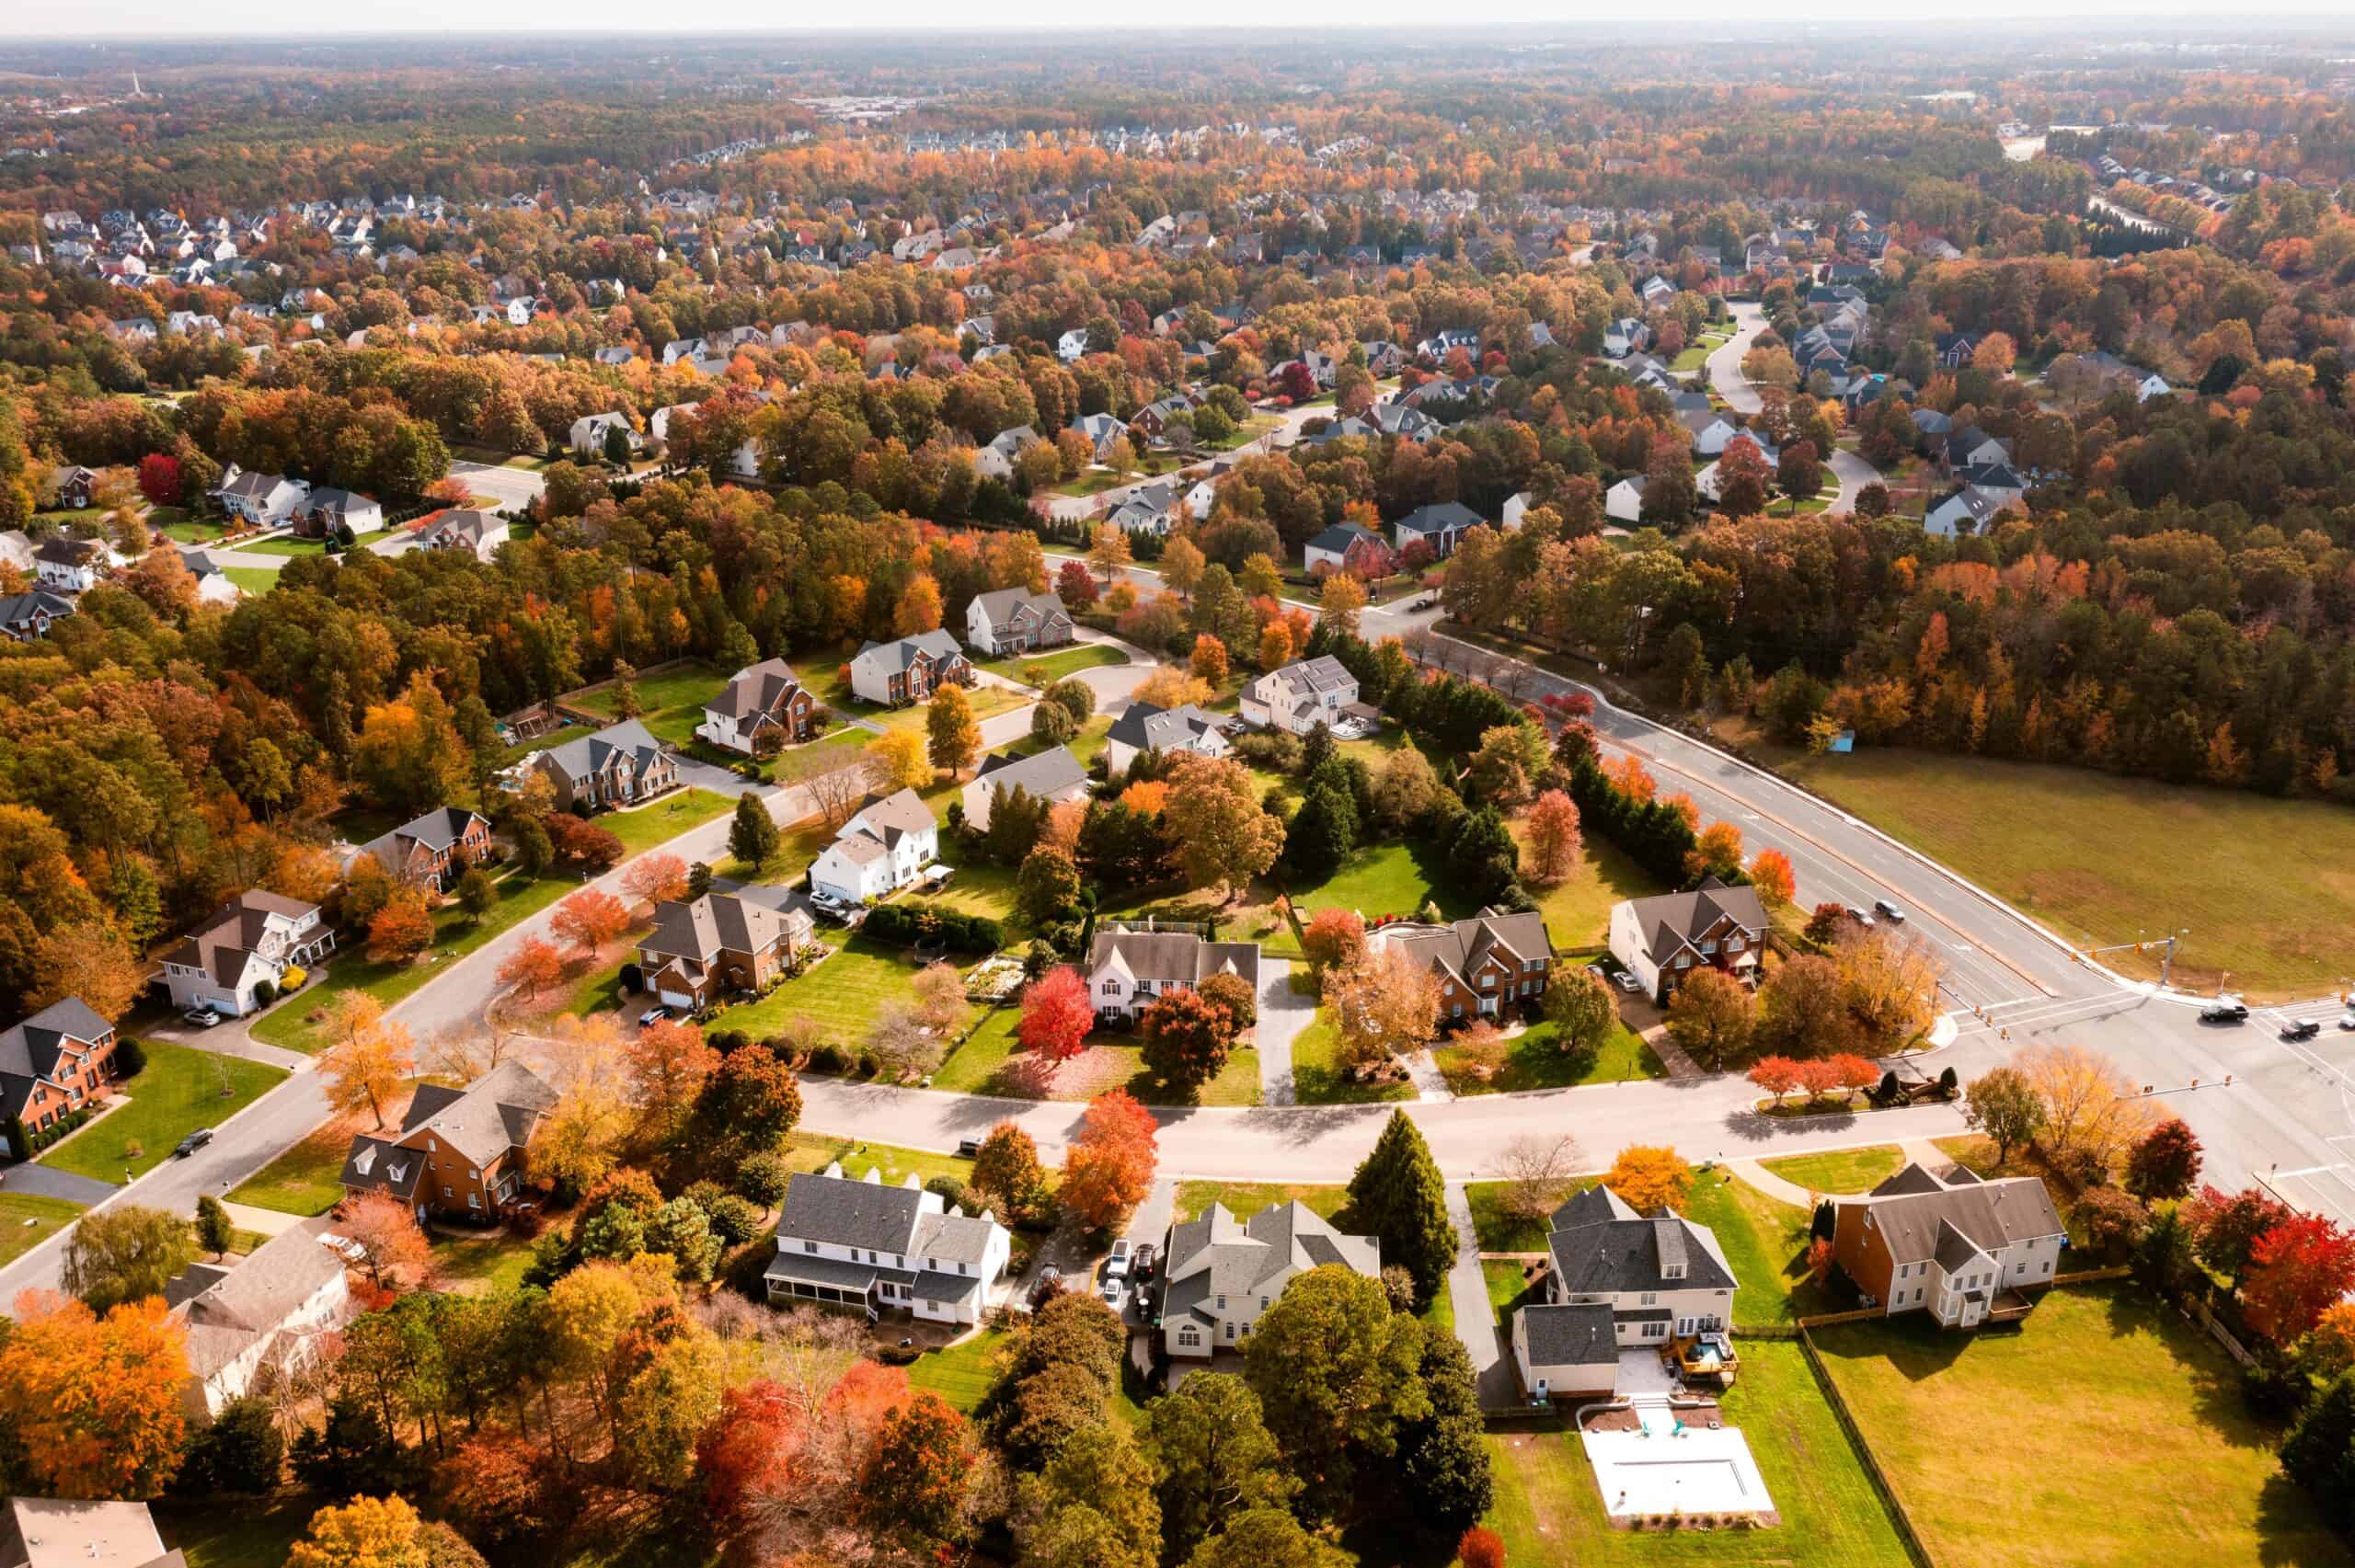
{"x":1222,"y":837}
{"x":1717,"y":852}
{"x":656,"y":878}
{"x":1172,"y":686}
{"x":1335,"y":1373}
{"x":93,"y":1403}
{"x":1578,"y":1003}
{"x":1208,"y":661}
{"x":1216,"y":1457}
{"x":1007,"y":1171}
{"x":125,"y":1253}
{"x":87,"y":959}
{"x":2005,"y":1106}
{"x":939,"y":993}
{"x":241,"y":1451}
{"x":1109,"y":551}
{"x":2092,"y":1112}
{"x":952,"y":736}
{"x":1770,"y":875}
{"x":1322,"y":832}
{"x":2112,"y":1220}
{"x":1186,"y":1037}
{"x":401,"y":929}
{"x":1480,"y":1548}
{"x":371,"y":1058}
{"x":1443,"y":1456}
{"x":1333,"y":938}
{"x":1778,"y":1075}
{"x":477,"y":892}
{"x":533,"y":965}
{"x":667,"y":1063}
{"x":918,"y":611}
{"x":1099,"y":1474}
{"x":1554,"y":841}
{"x":1056,"y":1015}
{"x":2319,"y":1452}
{"x":1181,"y":566}
{"x":753,"y":836}
{"x":1265,"y":1537}
{"x":1536,"y":1174}
{"x":1651,"y":1178}
{"x":1047,"y":888}
{"x":2165,"y":1163}
{"x":2224,"y":1227}
{"x":1397,"y":1195}
{"x":1340,"y":601}
{"x":1385,"y":1005}
{"x":1711,"y":1015}
{"x":367,"y":1532}
{"x":589,"y":918}
{"x":1108,"y":1165}
{"x":386,"y":1238}
{"x":1483,"y":858}
{"x":2297,"y":1269}
{"x":750,"y":1101}
{"x":1803,"y":1009}
{"x":214,"y":1232}
{"x":916,"y":1472}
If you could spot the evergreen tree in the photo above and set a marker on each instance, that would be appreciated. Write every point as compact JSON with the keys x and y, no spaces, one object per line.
{"x":753,"y":837}
{"x":2319,"y":1452}
{"x":1322,"y":833}
{"x":1444,"y":1457}
{"x":214,"y":1232}
{"x":1481,"y":856}
{"x":1397,"y":1195}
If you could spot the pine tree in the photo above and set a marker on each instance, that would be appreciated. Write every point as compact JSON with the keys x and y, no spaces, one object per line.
{"x":752,"y":838}
{"x":214,"y":1232}
{"x":1322,"y":833}
{"x":1443,"y":1459}
{"x":1398,"y":1195}
{"x":2319,"y":1453}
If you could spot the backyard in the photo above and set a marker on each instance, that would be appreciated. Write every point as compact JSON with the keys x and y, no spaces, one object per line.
{"x":846,"y":991}
{"x":671,"y":702}
{"x":991,"y":1059}
{"x":2125,"y":1428}
{"x":1535,"y":1059}
{"x":178,"y":1091}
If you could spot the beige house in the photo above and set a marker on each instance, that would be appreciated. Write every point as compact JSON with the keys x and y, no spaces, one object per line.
{"x":1484,"y":963}
{"x":1951,"y":1244}
{"x":1223,"y":1275}
{"x":273,"y":1310}
{"x":1620,"y":1281}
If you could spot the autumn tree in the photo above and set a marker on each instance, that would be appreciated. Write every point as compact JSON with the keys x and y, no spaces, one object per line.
{"x":1578,"y":1002}
{"x":656,"y":878}
{"x":1186,"y":1037}
{"x":533,"y":966}
{"x":400,"y":930}
{"x":1385,"y":1005}
{"x":915,"y":1473}
{"x":667,"y":1064}
{"x":372,"y":1056}
{"x":385,"y":1239}
{"x":589,"y":918}
{"x":1108,"y":1168}
{"x":1172,"y":686}
{"x":2297,"y":1269}
{"x":1007,"y":1170}
{"x":88,"y":959}
{"x":1651,"y":1178}
{"x":1222,"y":835}
{"x":1717,"y":853}
{"x":127,"y":1252}
{"x":1770,"y":876}
{"x":1109,"y":551}
{"x":1553,"y":840}
{"x":952,"y":739}
{"x":1056,"y":1015}
{"x":1711,"y":1015}
{"x":367,"y":1532}
{"x":749,"y":1101}
{"x":2005,"y":1105}
{"x":1333,"y":938}
{"x":1208,"y":662}
{"x":903,"y":756}
{"x":2165,"y":1163}
{"x":93,"y":1403}
{"x":2093,"y":1113}
{"x":1340,"y":601}
{"x":1778,"y":1075}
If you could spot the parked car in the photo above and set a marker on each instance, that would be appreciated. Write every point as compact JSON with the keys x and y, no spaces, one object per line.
{"x":1421,"y":604}
{"x":1890,"y":912}
{"x":1117,"y":1265}
{"x":2225,"y":1012}
{"x":2304,"y":1029}
{"x":1859,"y":916}
{"x":1116,"y":1295}
{"x":2347,"y":1020}
{"x":193,"y":1142}
{"x":1626,"y":981}
{"x":652,"y":1015}
{"x":201,"y":1017}
{"x":1049,"y":1280}
{"x":1143,"y":1268}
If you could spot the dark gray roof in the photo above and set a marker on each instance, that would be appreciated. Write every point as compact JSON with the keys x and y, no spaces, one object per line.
{"x":31,"y":1047}
{"x":1990,"y":1214}
{"x":1149,"y":729}
{"x":1043,"y":773}
{"x":1592,"y":1206}
{"x":1460,"y":947}
{"x":436,"y":831}
{"x":765,"y":688}
{"x":1569,"y":1336}
{"x":1670,"y":921}
{"x":1955,"y":1251}
{"x":834,"y":1209}
{"x":836,"y":1272}
{"x":901,"y":655}
{"x":1620,"y":1256}
{"x":1341,"y":535}
{"x":376,"y":1162}
{"x":1174,"y":956}
{"x":703,"y":928}
{"x":1439,"y":518}
{"x":592,"y":754}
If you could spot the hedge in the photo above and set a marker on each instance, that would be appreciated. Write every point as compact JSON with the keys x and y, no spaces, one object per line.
{"x":919,"y":925}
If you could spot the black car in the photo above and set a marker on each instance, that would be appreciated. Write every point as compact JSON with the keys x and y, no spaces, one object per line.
{"x":193,"y":1142}
{"x":2306,"y":1030}
{"x":2224,"y":1012}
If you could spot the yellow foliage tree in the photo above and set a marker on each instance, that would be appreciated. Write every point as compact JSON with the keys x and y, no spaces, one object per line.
{"x":1651,"y":1177}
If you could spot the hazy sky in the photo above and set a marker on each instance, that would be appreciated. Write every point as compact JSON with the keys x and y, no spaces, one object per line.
{"x":153,"y":18}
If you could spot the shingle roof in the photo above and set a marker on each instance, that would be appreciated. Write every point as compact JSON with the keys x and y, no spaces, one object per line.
{"x":1990,"y":1214}
{"x":255,"y":1298}
{"x":30,"y":1049}
{"x":1150,"y":728}
{"x":1439,"y":518}
{"x":834,"y":1210}
{"x":436,"y":831}
{"x":1459,"y":948}
{"x":485,"y":1120}
{"x":1619,"y":1256}
{"x":1044,"y":773}
{"x":1570,"y":1335}
{"x":592,"y":754}
{"x":765,"y":688}
{"x":1669,"y":921}
{"x":716,"y":922}
{"x":222,"y":947}
{"x":901,"y":654}
{"x":1218,"y":1256}
{"x":1160,"y":956}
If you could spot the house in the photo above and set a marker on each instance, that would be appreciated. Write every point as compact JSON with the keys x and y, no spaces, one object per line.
{"x":1128,"y":968}
{"x":1071,"y":346}
{"x":1148,"y":511}
{"x":71,"y":489}
{"x":214,"y":585}
{"x":1965,"y":509}
{"x":703,"y":949}
{"x":2152,"y":385}
{"x":276,"y":1310}
{"x":264,"y":500}
{"x":24,"y":616}
{"x":1438,"y":525}
{"x":909,"y":670}
{"x":885,"y":846}
{"x":434,"y":850}
{"x":1954,"y":350}
{"x":1053,"y":775}
{"x":1383,"y":358}
{"x":1624,"y":337}
{"x":1482,"y":963}
{"x":1015,"y":620}
{"x":476,"y":533}
{"x":1617,"y":1280}
{"x":1949,"y":1243}
{"x":48,"y":1532}
{"x":324,"y":510}
{"x":1624,"y":502}
{"x":997,"y":460}
{"x":763,"y":699}
{"x":459,"y":1151}
{"x":66,"y":565}
{"x":1145,"y":727}
{"x":1302,"y":695}
{"x":1660,"y":938}
{"x":621,"y":764}
{"x":1710,"y":430}
{"x":250,"y":942}
{"x":1514,"y":511}
{"x":1222,"y":1275}
{"x":589,"y":433}
{"x":1101,"y":431}
{"x":50,"y":1066}
{"x":1347,"y":546}
{"x":861,"y":1243}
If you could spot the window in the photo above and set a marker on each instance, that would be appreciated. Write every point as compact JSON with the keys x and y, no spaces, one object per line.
{"x":1488,"y":981}
{"x":1230,"y":1332}
{"x":1190,"y":1338}
{"x":1733,"y":944}
{"x":1684,"y":960}
{"x":1222,"y":1303}
{"x":1710,"y":946}
{"x":1455,"y":1010}
{"x":1263,"y":1303}
{"x":1648,"y":1298}
{"x":1111,"y":988}
{"x":2046,"y":1268}
{"x":445,"y":1189}
{"x":809,"y":1246}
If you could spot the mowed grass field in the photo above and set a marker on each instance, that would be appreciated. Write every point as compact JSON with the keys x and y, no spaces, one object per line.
{"x":178,"y":1091}
{"x":1841,"y":1171}
{"x":670,"y":702}
{"x":2112,"y":1431}
{"x":2266,"y":887}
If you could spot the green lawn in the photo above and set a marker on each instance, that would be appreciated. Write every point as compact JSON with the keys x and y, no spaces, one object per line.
{"x":174,"y":523}
{"x":963,"y":1373}
{"x":1766,"y":1243}
{"x":1316,"y":1077}
{"x":2266,"y":887}
{"x":599,"y":991}
{"x":814,"y":1152}
{"x":823,"y":677}
{"x":642,"y":828}
{"x":243,"y":1534}
{"x":1534,"y":1059}
{"x":177,"y":1092}
{"x":671,"y":704}
{"x":2139,"y":1436}
{"x":1842,"y":1171}
{"x":304,"y":1180}
{"x":837,"y":748}
{"x":556,"y":736}
{"x":1376,"y":880}
{"x":1055,"y":664}
{"x":1577,"y":911}
{"x":1549,"y":1509}
{"x":983,"y":1065}
{"x":1498,"y":1228}
{"x":253,"y":580}
{"x":482,"y":1265}
{"x":26,"y":1222}
{"x":846,"y":991}
{"x":1244,"y":1199}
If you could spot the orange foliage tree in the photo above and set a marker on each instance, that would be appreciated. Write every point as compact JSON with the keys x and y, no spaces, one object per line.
{"x":94,"y":1402}
{"x":1109,"y":1167}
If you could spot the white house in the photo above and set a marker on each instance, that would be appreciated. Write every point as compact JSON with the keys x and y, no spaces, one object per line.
{"x":1624,"y":502}
{"x":1669,"y":935}
{"x":1334,"y":549}
{"x":878,"y":1248}
{"x":66,"y":565}
{"x":1302,"y":695}
{"x":884,"y":847}
{"x":1966,"y":510}
{"x":1015,"y":620}
{"x":1622,"y":1281}
{"x":1072,"y":345}
{"x":275,"y":1309}
{"x":254,"y":939}
{"x":588,"y":436}
{"x":476,"y":533}
{"x":1950,"y":1244}
{"x":1438,"y":525}
{"x":1143,"y":727}
{"x":263,"y":499}
{"x":1127,"y":969}
{"x":1224,"y":1274}
{"x":1053,"y":775}
{"x":909,"y":669}
{"x":1515,"y":509}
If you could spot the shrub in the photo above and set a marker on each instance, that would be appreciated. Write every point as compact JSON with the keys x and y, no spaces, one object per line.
{"x":734,"y":1220}
{"x":129,"y":1056}
{"x":762,"y":1179}
{"x":264,"y":993}
{"x":952,"y":1191}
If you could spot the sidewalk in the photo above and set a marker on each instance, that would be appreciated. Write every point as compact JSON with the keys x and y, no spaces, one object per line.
{"x":1476,"y":1320}
{"x":1430,"y":1084}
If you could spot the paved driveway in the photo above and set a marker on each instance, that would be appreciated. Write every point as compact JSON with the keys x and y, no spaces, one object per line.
{"x":1283,"y":1014}
{"x":41,"y":1180}
{"x":511,"y":489}
{"x":1725,"y":363}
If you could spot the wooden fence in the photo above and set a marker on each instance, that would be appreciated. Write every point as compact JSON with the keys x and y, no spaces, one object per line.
{"x":1914,"y":1547}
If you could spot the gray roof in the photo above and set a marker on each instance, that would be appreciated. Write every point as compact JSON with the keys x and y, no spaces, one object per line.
{"x":758,"y":690}
{"x":1618,"y":1256}
{"x":30,"y":1049}
{"x":436,"y":831}
{"x":1000,"y":605}
{"x":1592,"y":1206}
{"x":901,"y":654}
{"x":1570,"y":1335}
{"x":718,"y":922}
{"x":464,"y":526}
{"x":1218,"y":1256}
{"x":1460,"y":947}
{"x":836,"y":1211}
{"x":1955,"y":1251}
{"x":373,"y":1163}
{"x":1990,"y":1214}
{"x":1439,"y":518}
{"x":1316,"y":676}
{"x":1338,"y":539}
{"x":1044,"y":773}
{"x":1150,"y":728}
{"x":1670,"y":921}
{"x":591,"y":754}
{"x":1174,"y":956}
{"x":256,"y":1297}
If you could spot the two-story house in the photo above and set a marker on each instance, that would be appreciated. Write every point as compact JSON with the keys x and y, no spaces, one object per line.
{"x":1222,"y":1275}
{"x":1483,"y":964}
{"x":1347,"y":547}
{"x":459,"y":1151}
{"x":885,"y":846}
{"x":1141,"y":726}
{"x":1128,"y":968}
{"x":434,"y":850}
{"x":25,"y":616}
{"x":1437,"y":526}
{"x":896,"y":674}
{"x":879,"y":1248}
{"x":589,"y":433}
{"x":1302,"y":695}
{"x":1053,"y":775}
{"x":251,"y":941}
{"x":1015,"y":620}
{"x":463,"y":529}
{"x":763,"y":699}
{"x":276,"y":1310}
{"x":326,"y":509}
{"x":621,"y":764}
{"x":1619,"y":1281}
{"x":263,"y":499}
{"x":51,"y":1065}
{"x":66,"y":565}
{"x":1950,"y":1244}
{"x":703,"y":949}
{"x":1661,"y":939}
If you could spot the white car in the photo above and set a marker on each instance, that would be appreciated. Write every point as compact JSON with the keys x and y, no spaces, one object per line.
{"x":1626,"y":981}
{"x":1115,"y":1293}
{"x":1117,"y":1265}
{"x":2347,"y":1020}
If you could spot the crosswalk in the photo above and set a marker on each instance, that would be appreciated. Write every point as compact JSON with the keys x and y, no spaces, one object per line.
{"x":2019,"y":1018}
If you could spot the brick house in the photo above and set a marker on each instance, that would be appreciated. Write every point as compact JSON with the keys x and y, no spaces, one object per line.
{"x":51,"y":1065}
{"x":1951,"y":1244}
{"x":434,"y":850}
{"x":621,"y":764}
{"x":705,"y":948}
{"x":1659,"y":939}
{"x":907,"y":670}
{"x":764,"y":697}
{"x":1483,"y":963}
{"x":459,"y":1151}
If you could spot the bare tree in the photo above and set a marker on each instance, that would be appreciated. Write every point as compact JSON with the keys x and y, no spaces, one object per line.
{"x":837,"y":793}
{"x":1537,"y":1173}
{"x":899,"y":1040}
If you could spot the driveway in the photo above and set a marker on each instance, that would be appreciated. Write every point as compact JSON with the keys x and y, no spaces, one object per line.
{"x":1476,"y":1320}
{"x":1725,"y":364}
{"x":41,"y":1180}
{"x":1283,"y":1014}
{"x":1853,"y":474}
{"x":509,"y":489}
